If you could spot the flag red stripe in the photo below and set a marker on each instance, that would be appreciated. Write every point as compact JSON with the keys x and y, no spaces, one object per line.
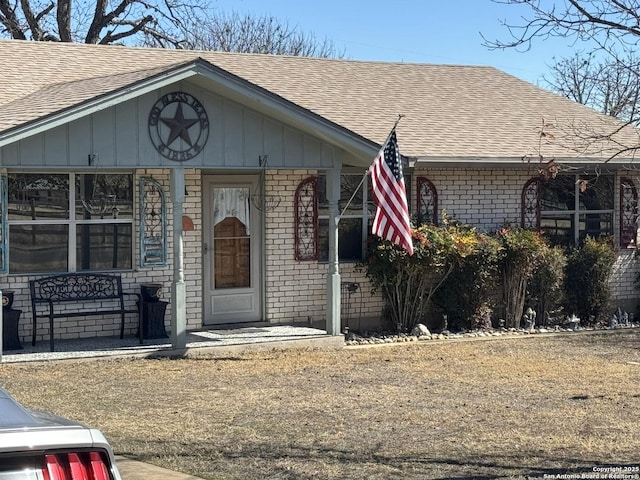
{"x":391,"y":221}
{"x":390,"y":193}
{"x":394,"y":212}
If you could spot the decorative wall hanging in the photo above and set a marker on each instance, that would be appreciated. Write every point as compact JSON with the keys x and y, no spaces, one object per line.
{"x":628,"y":212}
{"x":260,"y":199}
{"x":530,"y":204}
{"x":178,"y":126}
{"x":97,"y":192}
{"x":153,"y":224}
{"x":427,"y":201}
{"x":306,"y":220}
{"x":4,"y":222}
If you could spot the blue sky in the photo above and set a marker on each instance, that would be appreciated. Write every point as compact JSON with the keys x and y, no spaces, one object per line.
{"x":417,"y":31}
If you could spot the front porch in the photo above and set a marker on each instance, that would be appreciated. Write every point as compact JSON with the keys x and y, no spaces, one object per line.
{"x":211,"y":343}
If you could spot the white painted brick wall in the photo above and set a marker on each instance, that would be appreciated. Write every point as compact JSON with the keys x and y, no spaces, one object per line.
{"x":489,"y":198}
{"x":296,"y":291}
{"x":302,"y":284}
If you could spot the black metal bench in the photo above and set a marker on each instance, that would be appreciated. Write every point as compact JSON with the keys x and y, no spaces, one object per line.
{"x":103,"y":292}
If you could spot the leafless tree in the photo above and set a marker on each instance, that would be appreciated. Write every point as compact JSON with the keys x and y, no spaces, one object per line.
{"x":235,"y":32}
{"x":609,"y":25}
{"x":609,"y":85}
{"x":96,"y":21}
{"x":609,"y":31}
{"x":158,"y":23}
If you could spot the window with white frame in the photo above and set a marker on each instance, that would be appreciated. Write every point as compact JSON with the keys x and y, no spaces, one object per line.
{"x":70,"y":221}
{"x":568,"y":208}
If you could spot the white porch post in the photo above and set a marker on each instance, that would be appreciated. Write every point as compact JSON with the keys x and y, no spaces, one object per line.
{"x":178,"y":290}
{"x":1,"y":330}
{"x":333,"y":275}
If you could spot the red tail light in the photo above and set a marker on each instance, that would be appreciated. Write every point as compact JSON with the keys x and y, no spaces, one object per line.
{"x":75,"y":466}
{"x":98,"y":467}
{"x":53,"y":469}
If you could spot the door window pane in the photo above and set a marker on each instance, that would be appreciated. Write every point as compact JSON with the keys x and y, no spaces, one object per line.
{"x":231,"y":246}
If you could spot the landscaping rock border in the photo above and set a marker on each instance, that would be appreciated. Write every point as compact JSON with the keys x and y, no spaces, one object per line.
{"x":379,"y":338}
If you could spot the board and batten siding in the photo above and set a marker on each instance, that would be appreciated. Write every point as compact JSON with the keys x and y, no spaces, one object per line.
{"x":118,"y":136}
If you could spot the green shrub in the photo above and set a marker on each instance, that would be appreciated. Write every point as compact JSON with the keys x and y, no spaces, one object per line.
{"x":545,"y":292}
{"x":465,"y":294}
{"x":519,"y":258}
{"x":587,"y":287}
{"x":407,"y":283}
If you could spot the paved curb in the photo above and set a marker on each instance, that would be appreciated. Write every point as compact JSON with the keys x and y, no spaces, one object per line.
{"x":134,"y":470}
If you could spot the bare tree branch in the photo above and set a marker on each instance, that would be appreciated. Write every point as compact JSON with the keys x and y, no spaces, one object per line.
{"x":135,"y":27}
{"x":64,"y":20}
{"x":609,"y":24}
{"x":97,"y":23}
{"x":31,"y":19}
{"x":162,"y":23}
{"x":609,"y":86}
{"x":10,"y":21}
{"x":245,"y":33}
{"x":605,"y":77}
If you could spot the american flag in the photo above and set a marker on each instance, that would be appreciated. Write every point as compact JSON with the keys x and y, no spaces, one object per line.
{"x":392,"y":215}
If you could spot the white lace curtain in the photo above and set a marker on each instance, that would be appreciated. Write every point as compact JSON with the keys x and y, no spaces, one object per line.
{"x":231,"y":202}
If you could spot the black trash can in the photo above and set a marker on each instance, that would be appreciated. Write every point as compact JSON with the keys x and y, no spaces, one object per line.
{"x":10,"y":321}
{"x":153,"y":311}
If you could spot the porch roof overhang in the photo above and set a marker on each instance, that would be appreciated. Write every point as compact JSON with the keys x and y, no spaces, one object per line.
{"x":198,"y":72}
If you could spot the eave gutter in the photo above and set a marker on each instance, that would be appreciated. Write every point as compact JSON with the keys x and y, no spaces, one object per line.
{"x":517,"y":162}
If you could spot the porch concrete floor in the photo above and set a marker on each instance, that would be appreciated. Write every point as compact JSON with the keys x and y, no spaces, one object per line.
{"x":218,"y":343}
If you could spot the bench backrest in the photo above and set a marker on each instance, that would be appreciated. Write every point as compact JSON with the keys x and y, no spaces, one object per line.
{"x":76,"y":287}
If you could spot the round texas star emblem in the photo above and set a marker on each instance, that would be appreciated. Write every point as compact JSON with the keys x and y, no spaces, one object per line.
{"x":178,"y":126}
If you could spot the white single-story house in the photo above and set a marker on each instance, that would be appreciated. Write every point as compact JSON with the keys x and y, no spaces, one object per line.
{"x":221,"y":176}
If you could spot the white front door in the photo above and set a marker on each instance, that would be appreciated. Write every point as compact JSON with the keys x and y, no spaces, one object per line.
{"x":231,"y":249}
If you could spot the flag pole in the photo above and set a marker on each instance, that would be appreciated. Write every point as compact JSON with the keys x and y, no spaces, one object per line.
{"x":400,"y":115}
{"x":367,"y":172}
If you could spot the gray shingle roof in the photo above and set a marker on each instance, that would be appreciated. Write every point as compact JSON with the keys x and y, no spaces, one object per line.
{"x":457,"y":112}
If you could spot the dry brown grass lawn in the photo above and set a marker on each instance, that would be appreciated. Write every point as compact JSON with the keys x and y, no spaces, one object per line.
{"x":505,"y":408}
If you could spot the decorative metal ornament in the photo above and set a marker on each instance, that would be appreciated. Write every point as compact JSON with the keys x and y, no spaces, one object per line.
{"x":306,"y":219}
{"x":153,"y":224}
{"x":260,"y":199}
{"x":178,"y":126}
